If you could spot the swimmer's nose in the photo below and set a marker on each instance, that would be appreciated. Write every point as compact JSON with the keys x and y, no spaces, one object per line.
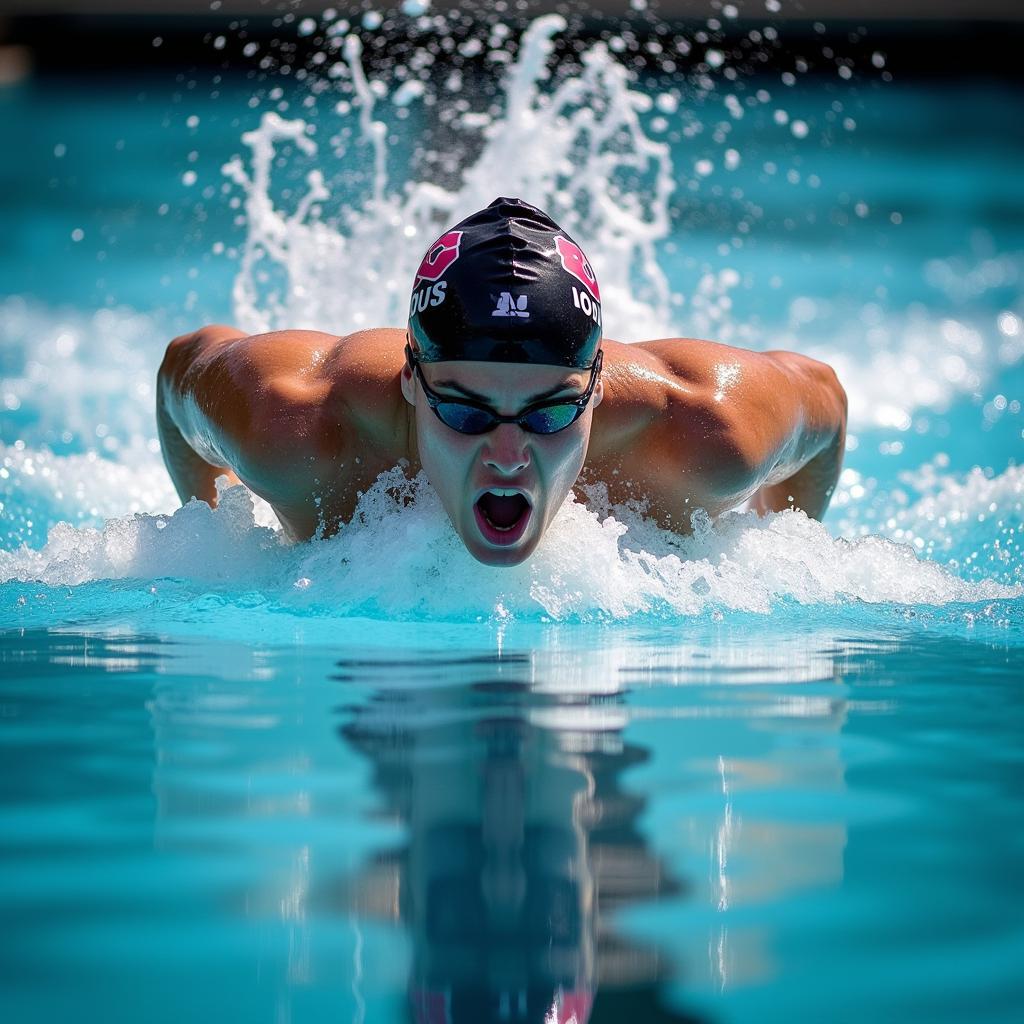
{"x":505,"y":449}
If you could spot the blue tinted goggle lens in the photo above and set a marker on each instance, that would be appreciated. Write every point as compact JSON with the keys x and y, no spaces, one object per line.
{"x":468,"y":419}
{"x":551,"y":419}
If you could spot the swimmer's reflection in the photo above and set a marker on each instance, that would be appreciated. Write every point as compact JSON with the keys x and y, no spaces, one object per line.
{"x":520,"y":841}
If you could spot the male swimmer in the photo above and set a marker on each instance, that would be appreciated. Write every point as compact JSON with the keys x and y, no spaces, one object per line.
{"x":503,"y":392}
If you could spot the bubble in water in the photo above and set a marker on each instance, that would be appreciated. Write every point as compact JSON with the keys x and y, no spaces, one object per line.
{"x":407,"y":92}
{"x":1009,"y":324}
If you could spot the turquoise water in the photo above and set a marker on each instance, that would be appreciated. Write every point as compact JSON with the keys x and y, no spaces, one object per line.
{"x":721,"y":825}
{"x":768,"y":770}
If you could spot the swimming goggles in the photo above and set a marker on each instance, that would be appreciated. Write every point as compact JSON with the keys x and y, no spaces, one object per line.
{"x":469,"y":417}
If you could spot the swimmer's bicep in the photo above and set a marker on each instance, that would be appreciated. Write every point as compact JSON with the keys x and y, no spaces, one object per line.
{"x":806,"y":411}
{"x":207,"y":392}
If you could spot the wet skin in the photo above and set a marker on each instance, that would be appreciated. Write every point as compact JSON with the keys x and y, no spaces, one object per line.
{"x":309,"y":420}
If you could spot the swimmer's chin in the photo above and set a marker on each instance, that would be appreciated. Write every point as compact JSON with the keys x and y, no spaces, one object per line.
{"x":502,"y":558}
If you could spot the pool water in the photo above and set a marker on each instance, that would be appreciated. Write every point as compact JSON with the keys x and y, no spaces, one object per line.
{"x":770,"y":769}
{"x":701,"y":824}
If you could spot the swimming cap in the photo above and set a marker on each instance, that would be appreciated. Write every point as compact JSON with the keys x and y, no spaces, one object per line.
{"x":507,"y":285}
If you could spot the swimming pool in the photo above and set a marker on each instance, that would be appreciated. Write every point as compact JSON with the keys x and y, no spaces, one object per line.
{"x":770,"y":769}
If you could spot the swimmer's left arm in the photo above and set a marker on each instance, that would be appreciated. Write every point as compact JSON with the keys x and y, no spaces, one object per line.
{"x":798,"y":418}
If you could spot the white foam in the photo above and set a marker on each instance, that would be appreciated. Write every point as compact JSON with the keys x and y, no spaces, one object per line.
{"x":39,"y":484}
{"x":80,"y":379}
{"x":973,"y":523}
{"x":588,"y":567}
{"x":896,"y":365}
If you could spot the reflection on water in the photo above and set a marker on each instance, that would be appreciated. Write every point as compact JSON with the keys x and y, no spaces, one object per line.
{"x":520,"y":842}
{"x":540,"y":834}
{"x":524,"y":841}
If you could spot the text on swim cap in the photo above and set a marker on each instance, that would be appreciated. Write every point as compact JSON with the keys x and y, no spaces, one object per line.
{"x":581,"y":300}
{"x":432,"y":295}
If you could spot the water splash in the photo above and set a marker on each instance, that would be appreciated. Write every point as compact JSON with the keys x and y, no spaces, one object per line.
{"x":315,"y":261}
{"x":585,"y":138}
{"x":589,"y":567}
{"x":74,"y":381}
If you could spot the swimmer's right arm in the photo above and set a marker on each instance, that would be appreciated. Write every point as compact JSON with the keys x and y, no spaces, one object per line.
{"x":198,"y":408}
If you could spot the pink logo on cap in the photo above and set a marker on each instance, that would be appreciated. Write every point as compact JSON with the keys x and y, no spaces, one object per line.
{"x":440,"y":256}
{"x":578,"y":265}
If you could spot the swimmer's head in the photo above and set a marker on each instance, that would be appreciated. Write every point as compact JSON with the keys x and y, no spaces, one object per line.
{"x":504,"y":372}
{"x":506,"y":285}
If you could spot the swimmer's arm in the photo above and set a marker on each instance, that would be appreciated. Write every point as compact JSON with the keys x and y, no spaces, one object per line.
{"x":189,"y":404}
{"x":802,"y":429}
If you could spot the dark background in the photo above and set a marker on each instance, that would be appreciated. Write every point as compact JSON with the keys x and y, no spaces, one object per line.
{"x":947,"y":37}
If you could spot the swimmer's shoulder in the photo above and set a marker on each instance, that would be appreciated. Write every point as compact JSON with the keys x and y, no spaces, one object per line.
{"x":691,"y":372}
{"x":298,"y":365}
{"x":684,"y":405}
{"x":344,"y":390}
{"x":291,"y":399}
{"x":646,"y":383}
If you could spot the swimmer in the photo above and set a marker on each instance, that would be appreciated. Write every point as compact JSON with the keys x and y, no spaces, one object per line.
{"x":503,"y":391}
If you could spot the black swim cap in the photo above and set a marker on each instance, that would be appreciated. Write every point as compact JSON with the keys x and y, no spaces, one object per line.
{"x":507,"y":285}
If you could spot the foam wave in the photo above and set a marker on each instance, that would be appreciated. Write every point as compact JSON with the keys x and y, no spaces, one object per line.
{"x":588,"y":568}
{"x":40,"y":489}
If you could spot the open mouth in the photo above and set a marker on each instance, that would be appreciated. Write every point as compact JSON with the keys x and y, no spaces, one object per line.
{"x":502,"y":515}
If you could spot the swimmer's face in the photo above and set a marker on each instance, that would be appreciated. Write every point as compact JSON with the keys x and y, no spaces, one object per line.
{"x":500,"y":489}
